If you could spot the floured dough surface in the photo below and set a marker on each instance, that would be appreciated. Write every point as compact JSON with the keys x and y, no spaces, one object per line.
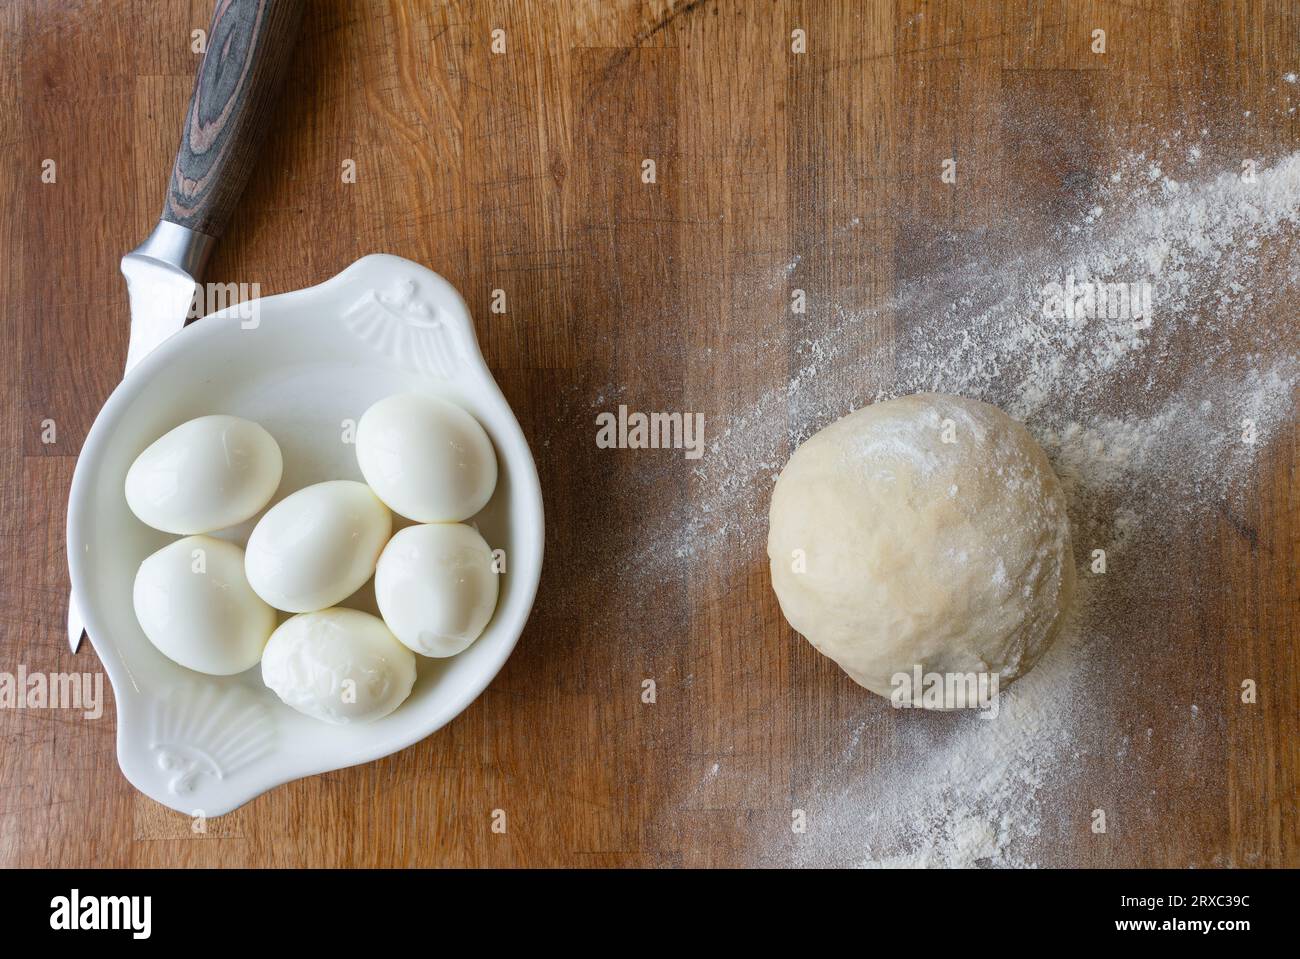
{"x":924,"y":531}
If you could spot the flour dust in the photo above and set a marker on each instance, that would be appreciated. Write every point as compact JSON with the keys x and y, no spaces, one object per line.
{"x":1151,"y":421}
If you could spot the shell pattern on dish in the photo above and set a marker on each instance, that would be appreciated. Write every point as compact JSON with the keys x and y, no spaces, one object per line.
{"x":207,"y":729}
{"x":405,"y":328}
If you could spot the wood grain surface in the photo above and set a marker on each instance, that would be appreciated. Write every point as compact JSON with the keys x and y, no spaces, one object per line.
{"x":522,"y":172}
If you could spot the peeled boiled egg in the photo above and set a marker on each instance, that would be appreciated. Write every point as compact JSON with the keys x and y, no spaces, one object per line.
{"x":338,"y":665}
{"x":428,"y":459}
{"x":317,"y":546}
{"x":436,"y":587}
{"x":206,"y":474}
{"x":195,"y":605}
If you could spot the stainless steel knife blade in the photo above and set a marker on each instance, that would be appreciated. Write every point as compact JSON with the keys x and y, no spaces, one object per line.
{"x":76,"y":628}
{"x":161,"y":296}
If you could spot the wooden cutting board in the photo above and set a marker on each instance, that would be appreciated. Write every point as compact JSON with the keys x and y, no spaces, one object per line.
{"x":521,"y":176}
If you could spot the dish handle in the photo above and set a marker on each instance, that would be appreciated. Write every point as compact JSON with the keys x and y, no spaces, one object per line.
{"x":407,"y":313}
{"x":196,"y":745}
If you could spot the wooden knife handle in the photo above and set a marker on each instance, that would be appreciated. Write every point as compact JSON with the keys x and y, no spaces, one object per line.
{"x":249,"y":47}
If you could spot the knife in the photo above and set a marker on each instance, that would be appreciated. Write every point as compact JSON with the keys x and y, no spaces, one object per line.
{"x":249,"y":44}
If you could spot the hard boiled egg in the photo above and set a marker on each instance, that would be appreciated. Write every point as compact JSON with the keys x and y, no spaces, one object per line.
{"x":317,"y":546}
{"x":436,"y":587}
{"x":206,"y":474}
{"x":428,"y":459}
{"x":338,"y":665}
{"x":195,"y":605}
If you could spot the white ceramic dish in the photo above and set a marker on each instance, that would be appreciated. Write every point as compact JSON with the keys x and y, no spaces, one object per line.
{"x":315,"y":359}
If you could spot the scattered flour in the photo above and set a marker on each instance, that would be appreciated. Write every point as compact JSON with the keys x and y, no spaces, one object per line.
{"x":1153,"y":401}
{"x":1149,"y":420}
{"x":970,"y":796}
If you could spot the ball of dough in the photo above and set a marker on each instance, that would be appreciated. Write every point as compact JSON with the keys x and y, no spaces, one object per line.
{"x":924,"y":531}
